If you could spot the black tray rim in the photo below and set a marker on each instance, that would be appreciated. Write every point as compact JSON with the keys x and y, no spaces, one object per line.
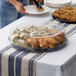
{"x":64,"y":21}
{"x":57,"y":48}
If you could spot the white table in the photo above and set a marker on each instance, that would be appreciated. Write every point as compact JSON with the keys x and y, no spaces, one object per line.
{"x":59,"y":63}
{"x":52,"y":63}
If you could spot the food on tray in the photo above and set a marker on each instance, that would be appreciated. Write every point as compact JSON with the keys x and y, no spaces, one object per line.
{"x":43,"y":43}
{"x":59,"y":39}
{"x":53,"y":31}
{"x":37,"y":37}
{"x":14,"y":37}
{"x":32,"y":28}
{"x":33,"y":42}
{"x":62,"y":34}
{"x":21,"y":43}
{"x":66,"y":13}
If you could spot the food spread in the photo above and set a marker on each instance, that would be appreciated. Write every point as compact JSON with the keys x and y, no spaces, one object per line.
{"x":40,"y":9}
{"x":37,"y":37}
{"x":66,"y":13}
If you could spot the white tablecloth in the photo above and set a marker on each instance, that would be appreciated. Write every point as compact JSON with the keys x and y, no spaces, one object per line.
{"x":58,"y":63}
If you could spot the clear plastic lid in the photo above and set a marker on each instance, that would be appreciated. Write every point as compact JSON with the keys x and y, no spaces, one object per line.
{"x":38,"y":30}
{"x":38,"y":35}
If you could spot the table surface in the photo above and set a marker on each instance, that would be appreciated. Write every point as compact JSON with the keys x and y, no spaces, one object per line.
{"x":57,"y":58}
{"x":5,"y":32}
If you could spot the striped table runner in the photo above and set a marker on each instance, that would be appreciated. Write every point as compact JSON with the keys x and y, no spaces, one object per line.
{"x":15,"y":62}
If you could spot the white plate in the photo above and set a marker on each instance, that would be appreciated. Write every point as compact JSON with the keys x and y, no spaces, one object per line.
{"x":58,"y":3}
{"x":31,"y":9}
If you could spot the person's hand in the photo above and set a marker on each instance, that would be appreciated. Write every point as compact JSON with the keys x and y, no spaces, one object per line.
{"x":20,"y":8}
{"x":38,"y":1}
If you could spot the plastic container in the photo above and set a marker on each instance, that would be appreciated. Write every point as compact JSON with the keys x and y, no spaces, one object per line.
{"x":38,"y":36}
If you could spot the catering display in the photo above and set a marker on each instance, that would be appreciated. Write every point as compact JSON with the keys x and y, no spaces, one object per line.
{"x":66,"y":14}
{"x":43,"y":36}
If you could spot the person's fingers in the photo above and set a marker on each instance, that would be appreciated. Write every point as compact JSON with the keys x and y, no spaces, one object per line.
{"x":34,"y":3}
{"x":21,"y":10}
{"x":24,"y":10}
{"x":22,"y":7}
{"x":40,"y":1}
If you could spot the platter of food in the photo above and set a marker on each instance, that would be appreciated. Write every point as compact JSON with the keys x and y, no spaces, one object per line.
{"x":32,"y":9}
{"x":34,"y":37}
{"x":66,"y":14}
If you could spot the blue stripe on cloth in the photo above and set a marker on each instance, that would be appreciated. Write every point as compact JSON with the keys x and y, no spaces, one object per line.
{"x":18,"y":63}
{"x":52,"y":19}
{"x":69,"y":32}
{"x":31,"y":63}
{"x":60,"y":23}
{"x":11,"y":62}
{"x":65,"y":24}
{"x":1,"y":52}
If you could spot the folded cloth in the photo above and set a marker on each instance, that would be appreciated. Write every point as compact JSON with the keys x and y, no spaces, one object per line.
{"x":16,"y":62}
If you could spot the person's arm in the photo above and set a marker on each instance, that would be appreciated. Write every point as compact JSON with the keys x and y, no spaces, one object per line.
{"x":20,"y":8}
